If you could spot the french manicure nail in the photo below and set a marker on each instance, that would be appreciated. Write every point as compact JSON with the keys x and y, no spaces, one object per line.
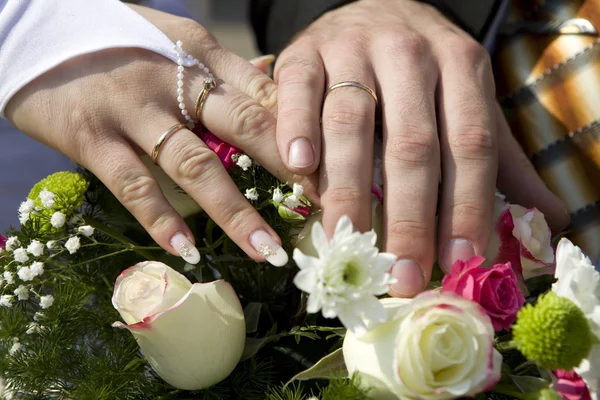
{"x":409,"y":277}
{"x":301,"y":154}
{"x":267,"y":247}
{"x":454,"y":250}
{"x":186,"y":249}
{"x":268,"y":59}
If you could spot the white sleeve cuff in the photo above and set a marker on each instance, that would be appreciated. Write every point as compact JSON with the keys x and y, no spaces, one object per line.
{"x":38,"y":35}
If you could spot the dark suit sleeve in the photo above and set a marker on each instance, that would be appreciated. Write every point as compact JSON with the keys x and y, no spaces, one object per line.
{"x":276,"y":22}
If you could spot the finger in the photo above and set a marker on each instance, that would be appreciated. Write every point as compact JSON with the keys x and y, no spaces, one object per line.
{"x":348,"y":135}
{"x":200,"y":173}
{"x":300,"y":76}
{"x":469,"y":152}
{"x":410,"y":158}
{"x":519,"y":181}
{"x":263,"y":62}
{"x":118,"y":166}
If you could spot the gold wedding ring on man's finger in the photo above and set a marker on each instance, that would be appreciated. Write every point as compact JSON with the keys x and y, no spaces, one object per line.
{"x":355,"y":84}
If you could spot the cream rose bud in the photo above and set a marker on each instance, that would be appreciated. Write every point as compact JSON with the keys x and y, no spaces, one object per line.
{"x":435,"y":346}
{"x":193,"y":335}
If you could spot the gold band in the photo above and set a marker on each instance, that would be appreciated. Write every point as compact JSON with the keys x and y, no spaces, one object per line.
{"x":209,"y":84}
{"x":352,"y":84}
{"x":163,"y":138}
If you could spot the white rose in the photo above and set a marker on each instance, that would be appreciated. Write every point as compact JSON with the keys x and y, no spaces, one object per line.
{"x":192,"y":335}
{"x":435,"y":346}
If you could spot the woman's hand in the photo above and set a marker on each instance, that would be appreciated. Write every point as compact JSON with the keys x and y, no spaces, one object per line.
{"x":105,"y":108}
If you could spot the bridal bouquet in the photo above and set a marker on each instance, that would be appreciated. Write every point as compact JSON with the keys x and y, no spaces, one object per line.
{"x":91,"y":308}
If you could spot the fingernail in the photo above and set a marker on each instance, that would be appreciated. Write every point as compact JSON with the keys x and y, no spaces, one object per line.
{"x":409,"y":276}
{"x":267,"y":247}
{"x":268,"y":59}
{"x":454,"y":250}
{"x":186,"y":249}
{"x":301,"y":154}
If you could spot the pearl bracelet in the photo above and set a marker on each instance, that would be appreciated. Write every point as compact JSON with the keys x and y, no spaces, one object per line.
{"x":181,"y":55}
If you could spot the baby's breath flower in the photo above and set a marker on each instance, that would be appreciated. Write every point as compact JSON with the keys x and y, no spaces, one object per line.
{"x":86,"y":230}
{"x":11,"y":243}
{"x":51,"y":244}
{"x":37,"y":316}
{"x":25,"y":274}
{"x":9,"y":277}
{"x":26,"y":207}
{"x":16,"y":347}
{"x":57,"y":220}
{"x":20,"y":255}
{"x":47,"y":198}
{"x":22,"y":293}
{"x":277,"y":195}
{"x":244,"y":162}
{"x":35,"y":248}
{"x":73,"y":244}
{"x":251,"y":194}
{"x":23,"y":218}
{"x":37,"y":268}
{"x":291,"y":202}
{"x":46,"y":301}
{"x":298,"y":190}
{"x":32,"y":328}
{"x":6,"y":300}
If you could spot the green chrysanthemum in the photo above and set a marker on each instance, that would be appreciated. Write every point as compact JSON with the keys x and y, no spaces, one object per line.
{"x":548,"y":394}
{"x":554,"y":333}
{"x":69,"y":189}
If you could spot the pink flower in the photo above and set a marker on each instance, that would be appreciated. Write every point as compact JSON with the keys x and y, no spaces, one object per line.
{"x":223,"y":149}
{"x":495,"y":289}
{"x":522,"y":237}
{"x":377,"y":191}
{"x":570,"y":386}
{"x":3,"y":240}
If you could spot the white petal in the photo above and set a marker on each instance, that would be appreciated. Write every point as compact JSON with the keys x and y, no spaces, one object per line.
{"x":344,"y":227}
{"x":306,"y":280}
{"x":353,"y":323}
{"x":319,"y":239}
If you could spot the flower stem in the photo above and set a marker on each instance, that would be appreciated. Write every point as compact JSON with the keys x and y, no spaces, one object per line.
{"x":102,"y":257}
{"x":503,"y":346}
{"x":509,"y":391}
{"x":118,"y":236}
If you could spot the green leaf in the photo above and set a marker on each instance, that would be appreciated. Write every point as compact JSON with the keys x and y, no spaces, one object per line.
{"x":252,"y":315}
{"x":529,"y":384}
{"x":328,"y":366}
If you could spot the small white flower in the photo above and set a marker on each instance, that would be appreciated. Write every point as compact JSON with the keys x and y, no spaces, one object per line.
{"x":86,"y":230}
{"x":23,"y":218}
{"x":35,"y":248}
{"x":244,"y":162}
{"x":46,"y":301}
{"x":345,"y":278}
{"x":26,"y":207}
{"x":51,"y":244}
{"x":57,"y":220}
{"x":25,"y":274}
{"x":298,"y":190}
{"x":22,"y":293}
{"x":6,"y":300}
{"x":47,"y":198}
{"x":251,"y":194}
{"x":11,"y":243}
{"x":9,"y":277}
{"x":277,"y":195}
{"x":20,"y":255}
{"x":73,"y":244}
{"x":37,"y":316}
{"x":32,"y":328}
{"x":16,"y":347}
{"x":291,"y":202}
{"x":37,"y":268}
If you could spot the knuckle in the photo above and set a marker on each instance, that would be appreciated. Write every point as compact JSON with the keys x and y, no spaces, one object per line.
{"x":413,"y":147}
{"x":236,"y":217}
{"x":294,"y":69}
{"x":265,"y":90}
{"x":251,"y":118}
{"x":345,"y":195}
{"x":406,"y":46}
{"x":196,"y":163}
{"x":473,"y":142}
{"x":136,"y":189}
{"x":341,"y":116}
{"x":468,"y":213}
{"x":402,"y":228}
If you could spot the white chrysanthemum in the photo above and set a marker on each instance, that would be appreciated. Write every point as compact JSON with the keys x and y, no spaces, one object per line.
{"x":32,"y":328}
{"x":346,"y":277}
{"x":277,"y":195}
{"x":51,"y":244}
{"x":20,"y":255}
{"x":578,"y":281}
{"x":9,"y":277}
{"x":244,"y":162}
{"x":46,"y":301}
{"x":37,"y":268}
{"x":86,"y":230}
{"x":251,"y":194}
{"x":12,"y":243}
{"x":22,"y":293}
{"x":57,"y":220}
{"x":291,"y":202}
{"x":25,"y":274}
{"x":6,"y":300}
{"x":23,"y":218}
{"x":47,"y":198}
{"x":298,"y":190}
{"x":35,"y":248}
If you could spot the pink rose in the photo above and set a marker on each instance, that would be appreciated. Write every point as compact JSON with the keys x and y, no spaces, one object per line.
{"x":3,"y":240}
{"x":223,"y":149}
{"x":570,"y":386}
{"x":495,"y":289}
{"x":522,"y":237}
